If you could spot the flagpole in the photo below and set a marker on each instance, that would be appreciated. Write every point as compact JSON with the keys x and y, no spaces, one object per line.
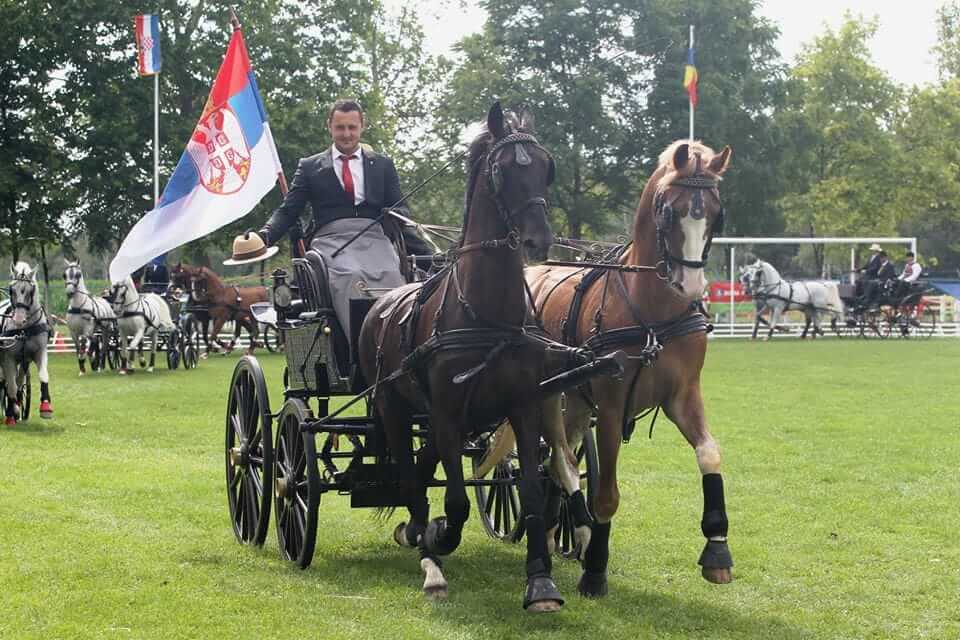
{"x":156,"y":138}
{"x":692,"y":107}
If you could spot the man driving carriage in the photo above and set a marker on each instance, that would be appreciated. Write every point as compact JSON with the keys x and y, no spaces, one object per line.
{"x":347,"y":186}
{"x":885,"y":273}
{"x":156,"y":277}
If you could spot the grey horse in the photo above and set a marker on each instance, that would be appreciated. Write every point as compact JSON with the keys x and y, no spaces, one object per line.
{"x":23,"y":336}
{"x":84,"y":313}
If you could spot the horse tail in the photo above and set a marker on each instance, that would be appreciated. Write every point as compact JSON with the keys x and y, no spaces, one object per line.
{"x":164,"y":320}
{"x":503,"y":442}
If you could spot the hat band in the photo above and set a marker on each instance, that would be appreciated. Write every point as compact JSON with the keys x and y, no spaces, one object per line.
{"x":246,"y":255}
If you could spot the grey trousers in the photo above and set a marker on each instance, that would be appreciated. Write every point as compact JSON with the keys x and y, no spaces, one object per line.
{"x":370,"y":262}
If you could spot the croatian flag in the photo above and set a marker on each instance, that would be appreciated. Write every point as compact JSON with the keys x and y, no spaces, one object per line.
{"x":230,"y":163}
{"x":147,"y":33}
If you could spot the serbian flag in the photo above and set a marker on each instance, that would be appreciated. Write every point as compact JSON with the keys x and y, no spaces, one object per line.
{"x":230,"y":163}
{"x":690,"y":78}
{"x":147,"y":32}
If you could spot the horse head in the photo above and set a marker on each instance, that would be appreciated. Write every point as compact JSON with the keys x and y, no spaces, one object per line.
{"x":72,"y":277}
{"x":688,"y":212}
{"x":23,"y":292}
{"x":518,"y":173}
{"x":123,"y":293}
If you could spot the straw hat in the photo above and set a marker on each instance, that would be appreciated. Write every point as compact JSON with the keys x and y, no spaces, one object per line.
{"x":875,"y":247}
{"x":248,"y":248}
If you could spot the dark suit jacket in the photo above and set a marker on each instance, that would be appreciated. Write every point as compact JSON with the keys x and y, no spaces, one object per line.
{"x":887,"y":272}
{"x":873,"y":266}
{"x":316,"y":183}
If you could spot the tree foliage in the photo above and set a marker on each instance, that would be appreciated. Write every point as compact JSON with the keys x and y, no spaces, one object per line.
{"x":842,"y":166}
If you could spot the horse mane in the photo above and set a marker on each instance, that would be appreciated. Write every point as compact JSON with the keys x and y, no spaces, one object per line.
{"x":211,"y":275}
{"x":697,"y":150}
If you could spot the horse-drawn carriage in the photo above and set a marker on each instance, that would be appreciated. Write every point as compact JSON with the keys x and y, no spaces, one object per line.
{"x":899,"y":309}
{"x":312,"y":449}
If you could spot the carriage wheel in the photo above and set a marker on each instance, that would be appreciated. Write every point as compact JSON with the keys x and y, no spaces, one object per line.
{"x":589,"y":469}
{"x":23,"y":392}
{"x":113,"y":355}
{"x":272,"y":339}
{"x":249,"y":452}
{"x":190,"y":341}
{"x":95,"y":353}
{"x":296,"y":489}
{"x":499,"y":503}
{"x":173,"y":350}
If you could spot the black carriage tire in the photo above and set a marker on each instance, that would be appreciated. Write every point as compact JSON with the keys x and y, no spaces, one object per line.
{"x":590,"y":469}
{"x":296,"y":490}
{"x":24,"y":394}
{"x":190,"y":343}
{"x":173,"y":350}
{"x":95,"y":353}
{"x":498,"y":503}
{"x":249,"y":453}
{"x":272,"y":339}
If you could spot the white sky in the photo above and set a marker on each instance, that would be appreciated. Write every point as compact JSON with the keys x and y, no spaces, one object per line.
{"x":902,"y":45}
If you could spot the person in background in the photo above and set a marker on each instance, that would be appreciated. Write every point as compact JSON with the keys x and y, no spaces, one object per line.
{"x":910,"y":274}
{"x":870,"y":270}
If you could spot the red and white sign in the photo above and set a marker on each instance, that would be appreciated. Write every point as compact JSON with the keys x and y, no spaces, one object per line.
{"x":720,"y":292}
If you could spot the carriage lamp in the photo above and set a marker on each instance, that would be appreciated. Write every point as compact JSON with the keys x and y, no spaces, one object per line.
{"x":282,"y":294}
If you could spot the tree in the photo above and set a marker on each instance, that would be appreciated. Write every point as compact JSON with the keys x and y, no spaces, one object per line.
{"x":842,"y":165}
{"x":947,"y":48}
{"x":928,"y":196}
{"x":33,"y":159}
{"x":583,"y":88}
{"x":741,"y":85}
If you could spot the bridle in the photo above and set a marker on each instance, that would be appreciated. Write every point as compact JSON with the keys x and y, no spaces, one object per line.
{"x":31,"y":296}
{"x":494,"y":175}
{"x":664,"y":217}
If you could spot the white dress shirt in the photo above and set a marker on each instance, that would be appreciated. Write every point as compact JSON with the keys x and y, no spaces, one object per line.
{"x":356,"y":171}
{"x":911,"y":272}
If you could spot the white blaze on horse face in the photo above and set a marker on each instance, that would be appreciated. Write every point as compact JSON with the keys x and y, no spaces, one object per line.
{"x":693,"y":281}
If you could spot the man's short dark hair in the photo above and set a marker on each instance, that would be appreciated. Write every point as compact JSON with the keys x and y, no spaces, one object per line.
{"x":345,"y":105}
{"x":883,"y":253}
{"x":910,"y":254}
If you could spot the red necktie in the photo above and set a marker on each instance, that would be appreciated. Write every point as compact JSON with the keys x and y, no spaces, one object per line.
{"x":348,"y":177}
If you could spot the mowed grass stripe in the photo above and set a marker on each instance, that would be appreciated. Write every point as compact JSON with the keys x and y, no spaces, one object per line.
{"x":842,"y":491}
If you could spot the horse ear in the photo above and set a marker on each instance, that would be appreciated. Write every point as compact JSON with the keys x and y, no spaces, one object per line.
{"x":527,"y":120}
{"x":13,"y":269}
{"x":681,"y":156}
{"x":721,"y":161}
{"x":495,"y":120}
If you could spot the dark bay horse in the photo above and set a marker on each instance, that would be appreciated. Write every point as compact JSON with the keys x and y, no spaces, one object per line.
{"x":456,"y":349}
{"x":224,"y":302}
{"x":654,"y":316}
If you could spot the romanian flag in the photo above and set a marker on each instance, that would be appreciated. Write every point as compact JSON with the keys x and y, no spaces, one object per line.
{"x":147,"y":33}
{"x":229,"y":164}
{"x":690,"y":78}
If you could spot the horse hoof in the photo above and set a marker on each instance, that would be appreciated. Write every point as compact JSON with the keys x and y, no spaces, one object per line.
{"x":46,"y":410}
{"x":548,"y":606}
{"x":436,"y":593}
{"x":717,"y":576}
{"x":542,"y":595}
{"x":593,"y":584}
{"x":10,"y":421}
{"x":204,"y":356}
{"x":400,"y":535}
{"x":80,"y":374}
{"x":434,"y":584}
{"x":149,"y":369}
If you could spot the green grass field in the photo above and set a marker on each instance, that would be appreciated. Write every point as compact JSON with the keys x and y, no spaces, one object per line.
{"x":840,"y":461}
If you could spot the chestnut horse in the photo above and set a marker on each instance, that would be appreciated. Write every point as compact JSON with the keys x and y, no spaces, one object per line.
{"x":457,"y":349}
{"x":655,"y":317}
{"x":224,"y":302}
